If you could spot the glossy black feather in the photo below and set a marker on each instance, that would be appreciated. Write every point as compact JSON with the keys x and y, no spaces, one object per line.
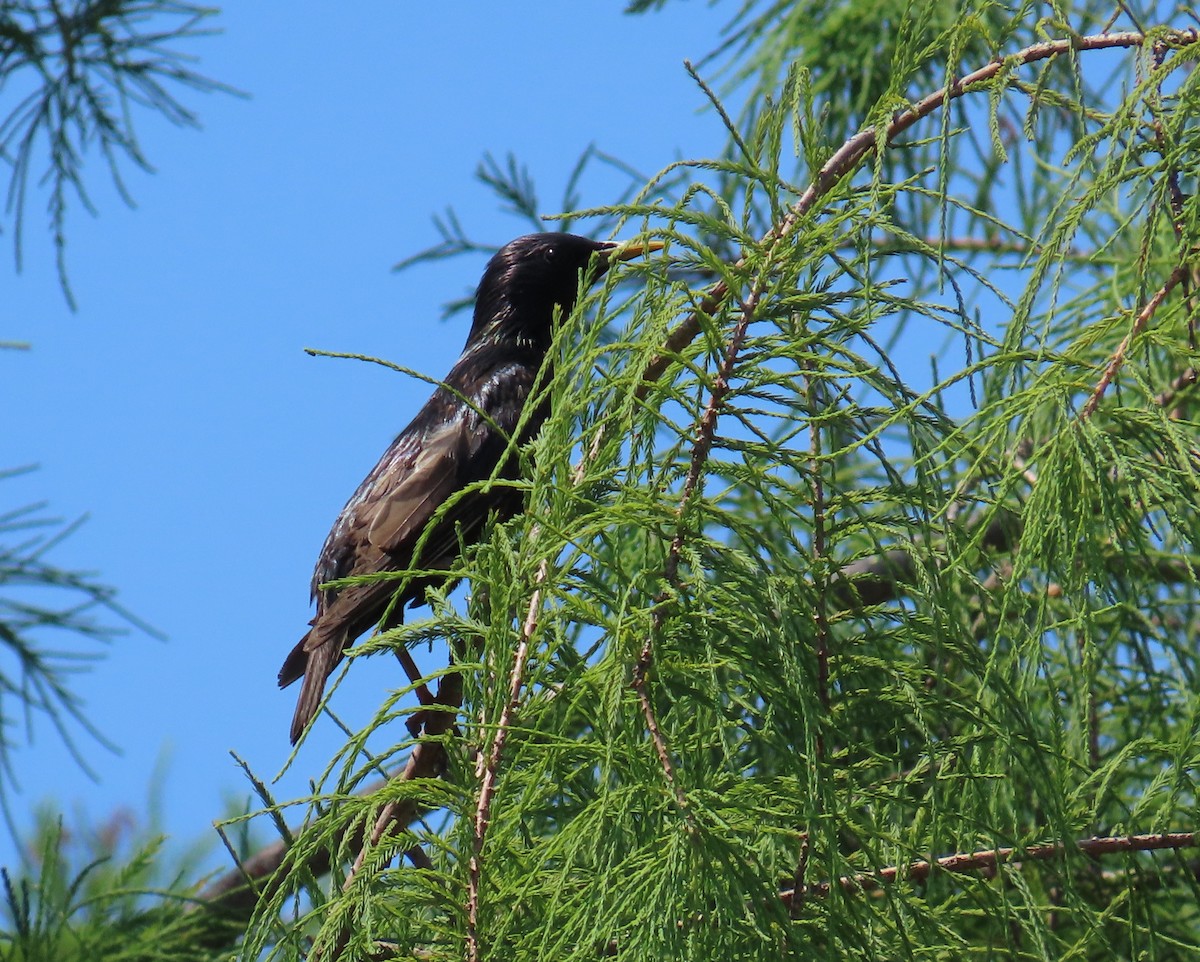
{"x":449,"y":445}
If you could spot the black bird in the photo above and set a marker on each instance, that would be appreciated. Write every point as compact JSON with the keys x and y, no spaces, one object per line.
{"x":449,"y":445}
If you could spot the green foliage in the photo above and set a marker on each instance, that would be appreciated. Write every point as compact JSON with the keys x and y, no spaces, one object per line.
{"x":76,"y":74}
{"x":102,"y":894}
{"x":889,"y":556}
{"x":41,"y":603}
{"x":893,"y":559}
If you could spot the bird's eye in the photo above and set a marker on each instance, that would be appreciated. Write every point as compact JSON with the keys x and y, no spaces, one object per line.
{"x":548,"y":253}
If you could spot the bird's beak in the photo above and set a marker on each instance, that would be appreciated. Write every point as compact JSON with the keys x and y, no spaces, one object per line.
{"x":627,"y":252}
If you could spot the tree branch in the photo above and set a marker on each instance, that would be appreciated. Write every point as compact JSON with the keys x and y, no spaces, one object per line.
{"x":238,"y":892}
{"x":705,"y":434}
{"x":963,"y":863}
{"x":847,"y":158}
{"x":488,"y":772}
{"x":1139,"y":324}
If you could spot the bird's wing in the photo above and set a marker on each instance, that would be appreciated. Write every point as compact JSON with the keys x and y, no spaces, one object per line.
{"x":401,"y":514}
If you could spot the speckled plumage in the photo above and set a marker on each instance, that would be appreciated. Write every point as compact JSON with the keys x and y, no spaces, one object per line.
{"x":447,"y":446}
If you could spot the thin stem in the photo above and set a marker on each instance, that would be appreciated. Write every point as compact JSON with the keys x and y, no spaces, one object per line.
{"x":963,"y":863}
{"x":1139,"y":324}
{"x":705,"y":434}
{"x":489,"y":771}
{"x":847,"y":158}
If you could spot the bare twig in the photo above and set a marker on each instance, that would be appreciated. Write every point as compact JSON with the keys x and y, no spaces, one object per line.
{"x":799,"y":888}
{"x":1175,"y":194}
{"x":488,"y":773}
{"x":1174,"y":393}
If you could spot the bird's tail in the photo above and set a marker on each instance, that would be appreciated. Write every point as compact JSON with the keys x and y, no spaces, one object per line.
{"x":313,"y":659}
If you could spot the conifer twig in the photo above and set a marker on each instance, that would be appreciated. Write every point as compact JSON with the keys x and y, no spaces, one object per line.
{"x":847,"y":158}
{"x":705,"y":435}
{"x":487,"y":772}
{"x":1139,"y":324}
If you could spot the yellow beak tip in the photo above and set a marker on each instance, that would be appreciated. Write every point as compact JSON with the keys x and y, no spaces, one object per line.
{"x":623,"y":253}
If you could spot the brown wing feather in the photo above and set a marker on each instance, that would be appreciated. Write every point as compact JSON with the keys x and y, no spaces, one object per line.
{"x":397,"y":519}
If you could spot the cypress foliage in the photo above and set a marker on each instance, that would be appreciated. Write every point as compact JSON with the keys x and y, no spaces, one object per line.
{"x":862,"y":537}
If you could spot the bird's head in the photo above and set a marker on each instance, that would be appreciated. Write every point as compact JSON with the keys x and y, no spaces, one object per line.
{"x":528,"y":277}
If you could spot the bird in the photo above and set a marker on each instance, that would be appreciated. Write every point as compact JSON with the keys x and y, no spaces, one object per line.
{"x":461,"y":436}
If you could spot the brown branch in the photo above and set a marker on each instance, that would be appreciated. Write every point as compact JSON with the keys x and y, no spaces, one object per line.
{"x":236,"y":894}
{"x":879,"y":578}
{"x":238,"y":891}
{"x":799,"y":886}
{"x":847,"y":158}
{"x":705,"y":435}
{"x":1175,"y":195}
{"x":986,"y":861}
{"x":427,"y":760}
{"x":706,"y":430}
{"x":489,"y":772}
{"x":1179,"y":389}
{"x":1139,"y":324}
{"x":990,"y":859}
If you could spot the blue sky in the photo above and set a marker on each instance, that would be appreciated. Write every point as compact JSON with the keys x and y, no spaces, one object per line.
{"x":177,"y":407}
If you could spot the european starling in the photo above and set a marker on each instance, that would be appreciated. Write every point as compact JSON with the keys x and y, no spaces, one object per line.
{"x":449,"y":445}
